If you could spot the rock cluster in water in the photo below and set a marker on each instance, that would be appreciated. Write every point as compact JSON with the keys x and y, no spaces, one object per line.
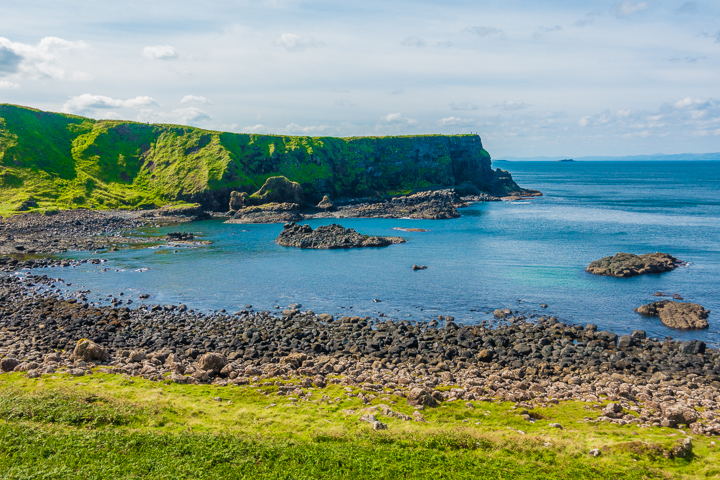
{"x":268,"y":213}
{"x":628,"y":264}
{"x":329,"y":236}
{"x":649,"y":382}
{"x":680,"y":315}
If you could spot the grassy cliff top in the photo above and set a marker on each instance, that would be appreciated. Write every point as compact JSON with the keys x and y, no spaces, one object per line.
{"x":56,"y":160}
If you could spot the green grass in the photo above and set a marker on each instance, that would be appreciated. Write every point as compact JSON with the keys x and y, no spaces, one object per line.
{"x":107,"y":426}
{"x":65,"y":161}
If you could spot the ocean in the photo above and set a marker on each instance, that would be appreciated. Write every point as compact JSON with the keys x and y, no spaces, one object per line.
{"x":514,"y":255}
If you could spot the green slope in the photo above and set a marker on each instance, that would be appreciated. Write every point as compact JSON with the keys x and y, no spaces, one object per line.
{"x":52,"y":160}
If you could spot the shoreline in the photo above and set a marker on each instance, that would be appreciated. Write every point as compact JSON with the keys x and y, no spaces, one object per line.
{"x":649,"y":383}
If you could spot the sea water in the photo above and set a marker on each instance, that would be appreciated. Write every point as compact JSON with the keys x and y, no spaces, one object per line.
{"x":514,"y":255}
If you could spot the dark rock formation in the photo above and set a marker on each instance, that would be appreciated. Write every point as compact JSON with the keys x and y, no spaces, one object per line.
{"x":268,"y":213}
{"x":326,"y":204}
{"x":680,"y":315}
{"x":329,"y":236}
{"x":238,"y":200}
{"x":277,"y":190}
{"x":628,"y":265}
{"x":435,"y":205}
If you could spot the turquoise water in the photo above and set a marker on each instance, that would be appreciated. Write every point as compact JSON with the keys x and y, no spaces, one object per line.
{"x":504,"y":254}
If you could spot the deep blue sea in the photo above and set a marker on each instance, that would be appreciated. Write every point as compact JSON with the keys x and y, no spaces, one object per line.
{"x":503,"y":254}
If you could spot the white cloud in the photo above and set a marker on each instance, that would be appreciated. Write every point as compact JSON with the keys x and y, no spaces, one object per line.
{"x":344,"y":103}
{"x":4,"y":84}
{"x":627,"y":8}
{"x":512,"y":105}
{"x":297,"y":43}
{"x":86,"y":103}
{"x":36,"y":61}
{"x":413,"y":42}
{"x":395,"y":120}
{"x":464,"y":106}
{"x":195,"y":99}
{"x":484,"y":31}
{"x":455,"y":122}
{"x":181,"y":116}
{"x":584,"y":121}
{"x":308,"y":130}
{"x":160,"y":52}
{"x":259,"y":128}
{"x":691,"y":103}
{"x":446,"y":44}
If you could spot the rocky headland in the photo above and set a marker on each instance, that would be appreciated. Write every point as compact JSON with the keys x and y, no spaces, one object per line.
{"x":330,"y":237}
{"x":680,"y":315}
{"x":629,"y":265}
{"x":648,"y":382}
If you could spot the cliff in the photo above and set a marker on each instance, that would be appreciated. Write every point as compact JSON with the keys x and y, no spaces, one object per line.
{"x":66,"y":161}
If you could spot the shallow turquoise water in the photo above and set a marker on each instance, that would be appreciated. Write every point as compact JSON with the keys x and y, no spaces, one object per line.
{"x":514,"y":255}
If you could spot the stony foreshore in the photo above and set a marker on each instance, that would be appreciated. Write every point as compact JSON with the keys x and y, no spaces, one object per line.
{"x":532,"y":363}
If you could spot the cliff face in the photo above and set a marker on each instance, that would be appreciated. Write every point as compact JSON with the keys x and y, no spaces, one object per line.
{"x":56,"y":160}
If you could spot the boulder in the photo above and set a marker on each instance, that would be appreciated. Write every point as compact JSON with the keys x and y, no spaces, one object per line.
{"x":277,"y":190}
{"x":680,"y":315}
{"x":89,"y":351}
{"x":418,"y":396}
{"x":9,"y":364}
{"x":212,"y":361}
{"x":628,"y":264}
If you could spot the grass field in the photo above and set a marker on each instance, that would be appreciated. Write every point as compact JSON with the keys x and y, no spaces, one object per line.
{"x":107,"y":426}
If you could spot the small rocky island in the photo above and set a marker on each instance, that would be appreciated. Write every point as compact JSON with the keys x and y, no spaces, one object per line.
{"x":680,"y":315}
{"x":329,"y":236}
{"x":629,"y":265}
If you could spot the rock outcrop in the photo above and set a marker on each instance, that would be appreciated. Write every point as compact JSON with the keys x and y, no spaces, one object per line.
{"x":326,"y":204}
{"x":268,"y":213}
{"x":238,"y":200}
{"x":329,"y":236}
{"x":628,"y":264}
{"x":434,"y":205}
{"x":277,"y":190}
{"x":680,"y":315}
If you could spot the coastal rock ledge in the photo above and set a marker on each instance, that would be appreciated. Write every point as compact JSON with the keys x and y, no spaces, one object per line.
{"x":629,"y":265}
{"x":329,"y":236}
{"x":680,"y":315}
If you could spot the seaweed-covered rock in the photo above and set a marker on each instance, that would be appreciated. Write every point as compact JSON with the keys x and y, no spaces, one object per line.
{"x":680,"y":315}
{"x":329,"y":236}
{"x":628,"y":264}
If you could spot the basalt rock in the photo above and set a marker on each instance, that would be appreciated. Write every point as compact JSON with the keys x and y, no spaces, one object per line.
{"x":268,"y":213}
{"x":329,"y":237}
{"x":680,"y":315}
{"x":238,"y":200}
{"x":326,"y":204}
{"x":628,"y":264}
{"x":89,"y":351}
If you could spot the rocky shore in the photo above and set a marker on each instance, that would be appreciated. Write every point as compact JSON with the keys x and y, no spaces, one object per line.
{"x":629,"y":265}
{"x":648,"y":382}
{"x":330,"y":237}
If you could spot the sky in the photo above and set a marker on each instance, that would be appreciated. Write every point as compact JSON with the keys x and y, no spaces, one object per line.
{"x":532,"y":78}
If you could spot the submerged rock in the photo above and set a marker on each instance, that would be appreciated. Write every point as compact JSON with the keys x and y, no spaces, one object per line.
{"x":628,"y":264}
{"x":680,"y":315}
{"x":329,"y":236}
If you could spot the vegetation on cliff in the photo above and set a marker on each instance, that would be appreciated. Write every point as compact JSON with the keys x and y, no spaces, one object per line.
{"x":52,"y":160}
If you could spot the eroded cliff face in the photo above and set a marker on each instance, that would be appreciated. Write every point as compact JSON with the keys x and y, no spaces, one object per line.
{"x":56,"y":160}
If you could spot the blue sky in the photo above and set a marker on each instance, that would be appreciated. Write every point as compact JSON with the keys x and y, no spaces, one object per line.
{"x":532,"y":78}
